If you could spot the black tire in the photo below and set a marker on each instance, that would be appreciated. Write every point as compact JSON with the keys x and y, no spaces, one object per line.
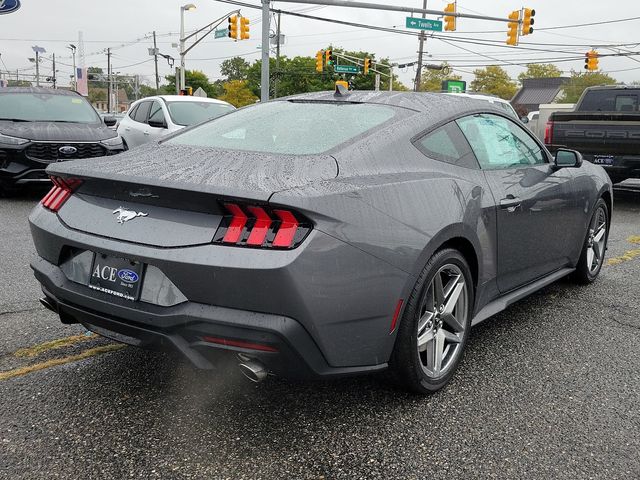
{"x":585,"y":273}
{"x":406,"y":364}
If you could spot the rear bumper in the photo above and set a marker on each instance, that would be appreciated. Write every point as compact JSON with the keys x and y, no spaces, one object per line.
{"x":184,"y":327}
{"x":624,"y":166}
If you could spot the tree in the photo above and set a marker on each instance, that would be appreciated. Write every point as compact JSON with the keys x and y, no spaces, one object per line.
{"x":96,"y":77}
{"x":431,"y":80}
{"x":194,"y":79}
{"x":572,"y":90}
{"x":237,"y":93}
{"x":540,"y":70}
{"x":97,"y":95}
{"x":494,"y":80}
{"x":235,"y":68}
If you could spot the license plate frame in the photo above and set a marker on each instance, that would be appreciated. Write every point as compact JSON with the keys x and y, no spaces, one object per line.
{"x":120,"y":277}
{"x":603,"y":159}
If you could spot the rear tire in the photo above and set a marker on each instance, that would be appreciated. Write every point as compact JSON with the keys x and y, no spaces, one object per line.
{"x":435,"y":324}
{"x":595,"y":245}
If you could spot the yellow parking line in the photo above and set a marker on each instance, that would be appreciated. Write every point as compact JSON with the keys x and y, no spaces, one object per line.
{"x":17,"y":372}
{"x":634,"y":239}
{"x":36,"y":350}
{"x":629,"y":254}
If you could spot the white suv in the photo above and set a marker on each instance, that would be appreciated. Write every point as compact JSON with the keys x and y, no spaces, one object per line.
{"x":151,"y":118}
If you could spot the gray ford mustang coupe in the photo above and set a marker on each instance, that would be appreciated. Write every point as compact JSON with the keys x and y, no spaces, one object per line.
{"x":322,"y":234}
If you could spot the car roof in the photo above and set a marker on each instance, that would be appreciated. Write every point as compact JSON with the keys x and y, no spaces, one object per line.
{"x":184,"y":98}
{"x":40,"y":90}
{"x":433,"y":104}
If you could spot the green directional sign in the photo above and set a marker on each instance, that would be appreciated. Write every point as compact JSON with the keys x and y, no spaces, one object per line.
{"x":346,"y":69}
{"x":221,"y":33}
{"x":454,"y":86}
{"x":424,"y":24}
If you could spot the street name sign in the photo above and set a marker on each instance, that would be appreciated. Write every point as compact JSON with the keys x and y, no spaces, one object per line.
{"x":424,"y":24}
{"x":221,"y":33}
{"x":346,"y":69}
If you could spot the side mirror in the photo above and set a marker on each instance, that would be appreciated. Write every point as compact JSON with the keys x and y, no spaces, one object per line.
{"x":157,"y":123}
{"x":565,"y":157}
{"x":524,"y":119}
{"x":110,"y":121}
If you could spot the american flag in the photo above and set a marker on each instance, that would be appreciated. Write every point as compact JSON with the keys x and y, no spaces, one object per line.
{"x":82,"y":88}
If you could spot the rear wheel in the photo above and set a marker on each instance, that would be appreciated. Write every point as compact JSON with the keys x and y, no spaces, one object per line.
{"x":595,"y":245}
{"x":435,"y":324}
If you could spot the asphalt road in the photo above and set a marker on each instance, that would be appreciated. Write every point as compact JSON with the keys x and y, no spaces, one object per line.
{"x":549,"y":388}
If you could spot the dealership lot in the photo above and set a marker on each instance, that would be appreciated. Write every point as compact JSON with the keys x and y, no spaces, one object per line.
{"x":549,"y":388}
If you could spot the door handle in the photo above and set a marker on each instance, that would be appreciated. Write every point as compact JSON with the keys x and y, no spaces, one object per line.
{"x":145,"y":133}
{"x":127,"y":129}
{"x":511,"y":203}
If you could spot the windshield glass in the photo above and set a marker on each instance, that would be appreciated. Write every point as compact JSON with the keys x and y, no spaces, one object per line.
{"x":190,"y":113}
{"x":296,"y":128}
{"x":43,"y":107}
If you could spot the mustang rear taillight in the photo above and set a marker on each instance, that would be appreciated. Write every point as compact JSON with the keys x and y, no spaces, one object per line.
{"x":62,"y":189}
{"x":261,"y":227}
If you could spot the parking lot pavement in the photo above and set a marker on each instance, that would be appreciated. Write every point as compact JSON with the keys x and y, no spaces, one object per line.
{"x":549,"y":388}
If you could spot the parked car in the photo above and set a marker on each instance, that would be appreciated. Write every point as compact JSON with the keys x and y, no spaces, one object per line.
{"x":39,"y":126}
{"x":604,"y":127}
{"x":152,"y":118}
{"x":321,"y":234}
{"x":497,"y":101}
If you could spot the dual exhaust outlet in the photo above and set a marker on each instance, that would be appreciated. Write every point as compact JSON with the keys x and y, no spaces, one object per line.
{"x":252,"y":368}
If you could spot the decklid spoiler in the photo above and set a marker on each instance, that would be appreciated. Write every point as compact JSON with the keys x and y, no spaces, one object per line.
{"x":224,"y":173}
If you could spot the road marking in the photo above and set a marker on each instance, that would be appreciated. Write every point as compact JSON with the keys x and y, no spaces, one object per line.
{"x":36,"y":350}
{"x":17,"y":372}
{"x":629,"y":254}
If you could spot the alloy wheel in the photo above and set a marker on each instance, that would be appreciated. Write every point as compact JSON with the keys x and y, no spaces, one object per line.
{"x":597,"y":240}
{"x":442,"y":320}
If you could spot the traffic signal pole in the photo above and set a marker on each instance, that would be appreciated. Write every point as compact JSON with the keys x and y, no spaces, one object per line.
{"x":264,"y":74}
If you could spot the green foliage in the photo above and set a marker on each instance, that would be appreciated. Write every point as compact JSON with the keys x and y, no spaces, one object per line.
{"x":431,"y":80}
{"x":237,"y":93}
{"x":19,"y":83}
{"x":97,"y":95}
{"x":96,"y":77}
{"x":572,"y":90}
{"x":494,"y":80}
{"x":235,"y":68}
{"x":540,"y":70}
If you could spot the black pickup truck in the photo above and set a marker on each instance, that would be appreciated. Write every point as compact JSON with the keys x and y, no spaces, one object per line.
{"x":604,"y":127}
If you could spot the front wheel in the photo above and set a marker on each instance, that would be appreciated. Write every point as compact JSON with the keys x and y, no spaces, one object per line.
{"x":435,"y":324}
{"x":595,"y":245}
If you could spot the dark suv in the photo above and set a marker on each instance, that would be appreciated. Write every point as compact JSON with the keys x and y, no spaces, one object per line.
{"x":39,"y":126}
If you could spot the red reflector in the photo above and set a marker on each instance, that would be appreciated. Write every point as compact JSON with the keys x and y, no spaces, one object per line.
{"x":287,"y":230}
{"x":239,"y":220}
{"x":260,"y":228}
{"x":396,"y":314}
{"x":240,"y":343}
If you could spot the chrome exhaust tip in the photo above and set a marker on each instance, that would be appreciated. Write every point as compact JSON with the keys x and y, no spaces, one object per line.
{"x":253,"y":370}
{"x":46,"y":303}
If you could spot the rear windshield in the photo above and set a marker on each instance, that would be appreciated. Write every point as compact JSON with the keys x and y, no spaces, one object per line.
{"x":295,"y":128}
{"x":43,"y":107}
{"x":614,"y":100}
{"x":190,"y":113}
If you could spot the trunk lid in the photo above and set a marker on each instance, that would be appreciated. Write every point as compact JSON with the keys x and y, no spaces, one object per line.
{"x":174,"y":194}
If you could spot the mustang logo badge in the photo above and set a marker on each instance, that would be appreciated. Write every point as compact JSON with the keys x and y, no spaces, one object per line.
{"x":126,"y":215}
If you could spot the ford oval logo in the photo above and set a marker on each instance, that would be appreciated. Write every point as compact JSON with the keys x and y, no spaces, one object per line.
{"x":9,"y":6}
{"x":128,"y":276}
{"x":67,"y":150}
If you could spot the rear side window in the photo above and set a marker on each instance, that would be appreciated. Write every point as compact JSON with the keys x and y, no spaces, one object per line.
{"x":288,"y":127}
{"x":132,"y":113}
{"x":447,"y":144}
{"x":143,"y":112}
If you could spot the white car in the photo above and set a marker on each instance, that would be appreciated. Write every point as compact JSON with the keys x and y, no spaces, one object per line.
{"x":499,"y":102}
{"x":151,"y":118}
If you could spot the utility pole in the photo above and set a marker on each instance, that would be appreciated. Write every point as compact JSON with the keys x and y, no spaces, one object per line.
{"x":37,"y":68}
{"x":72,"y":47}
{"x":108,"y":80}
{"x":54,"y":71}
{"x":275,"y":80}
{"x":155,"y":59}
{"x":264,"y":76}
{"x":416,"y":83}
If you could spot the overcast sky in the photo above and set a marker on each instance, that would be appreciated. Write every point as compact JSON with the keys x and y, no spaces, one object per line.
{"x":54,"y":24}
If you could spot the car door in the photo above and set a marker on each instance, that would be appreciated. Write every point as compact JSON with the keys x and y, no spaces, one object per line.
{"x":135,"y":130}
{"x":157,"y":123}
{"x":536,"y":206}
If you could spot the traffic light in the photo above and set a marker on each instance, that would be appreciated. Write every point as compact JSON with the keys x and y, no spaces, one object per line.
{"x":233,"y":27}
{"x":244,"y":28}
{"x":188,"y":91}
{"x":328,"y":55}
{"x":527,"y":21}
{"x":319,"y":60}
{"x":512,"y":27}
{"x":591,"y":60}
{"x":367,"y":65}
{"x":449,"y":21}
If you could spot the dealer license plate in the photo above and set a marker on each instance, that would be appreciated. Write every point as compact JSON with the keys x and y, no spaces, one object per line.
{"x":603,"y":159}
{"x":116,"y":276}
